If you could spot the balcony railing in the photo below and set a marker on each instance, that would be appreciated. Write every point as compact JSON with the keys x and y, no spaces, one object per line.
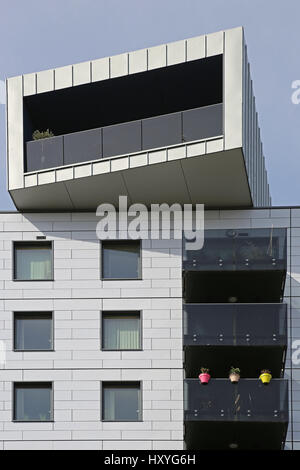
{"x":235,"y":324}
{"x":125,"y":138}
{"x":239,"y":250}
{"x":247,"y":401}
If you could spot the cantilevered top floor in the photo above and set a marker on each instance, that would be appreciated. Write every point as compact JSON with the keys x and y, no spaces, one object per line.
{"x":171,"y":123}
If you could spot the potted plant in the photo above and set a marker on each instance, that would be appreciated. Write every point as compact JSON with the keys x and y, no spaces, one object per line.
{"x":234,"y":374}
{"x":37,"y":135}
{"x":265,"y":376}
{"x":204,"y":376}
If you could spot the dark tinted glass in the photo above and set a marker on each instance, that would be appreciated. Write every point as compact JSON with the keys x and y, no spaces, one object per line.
{"x":248,"y":400}
{"x":121,"y":402}
{"x":82,"y":146}
{"x":33,"y":402}
{"x":122,"y":138}
{"x":121,"y":331}
{"x":201,"y":123}
{"x":162,"y":131}
{"x":33,"y":331}
{"x":121,"y":260}
{"x":33,"y":261}
{"x":44,"y":153}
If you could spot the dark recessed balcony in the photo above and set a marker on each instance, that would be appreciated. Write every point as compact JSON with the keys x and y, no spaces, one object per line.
{"x":246,"y":265}
{"x":125,"y":138}
{"x":247,"y":415}
{"x":251,"y":336}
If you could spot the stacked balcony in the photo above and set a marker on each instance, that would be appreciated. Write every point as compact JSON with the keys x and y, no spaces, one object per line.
{"x":245,"y":416}
{"x":233,"y":315}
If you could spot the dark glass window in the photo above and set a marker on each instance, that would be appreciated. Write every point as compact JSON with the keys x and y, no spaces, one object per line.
{"x":121,"y":330}
{"x":33,"y":261}
{"x":121,"y":401}
{"x":121,"y":259}
{"x":33,"y":401}
{"x":33,"y":331}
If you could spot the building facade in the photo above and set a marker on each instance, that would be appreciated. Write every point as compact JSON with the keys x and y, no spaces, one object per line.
{"x":103,"y":340}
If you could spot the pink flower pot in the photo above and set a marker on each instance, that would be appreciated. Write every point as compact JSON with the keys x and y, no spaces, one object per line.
{"x":204,"y":378}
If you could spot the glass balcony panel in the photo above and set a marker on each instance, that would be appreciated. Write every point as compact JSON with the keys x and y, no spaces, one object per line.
{"x":44,"y":153}
{"x":201,"y":123}
{"x":235,"y":324}
{"x":162,"y":131}
{"x":241,"y":249}
{"x":122,"y":138}
{"x":247,"y":401}
{"x":82,"y":146}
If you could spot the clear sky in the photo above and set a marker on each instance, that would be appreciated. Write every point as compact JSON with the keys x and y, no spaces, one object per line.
{"x":41,"y":34}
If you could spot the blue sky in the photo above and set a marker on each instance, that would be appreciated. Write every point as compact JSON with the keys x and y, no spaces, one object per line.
{"x":37,"y":34}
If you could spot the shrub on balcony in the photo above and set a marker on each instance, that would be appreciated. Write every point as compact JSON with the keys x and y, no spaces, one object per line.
{"x":37,"y":135}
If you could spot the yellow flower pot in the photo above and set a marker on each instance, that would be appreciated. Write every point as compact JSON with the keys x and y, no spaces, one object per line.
{"x":265,"y":378}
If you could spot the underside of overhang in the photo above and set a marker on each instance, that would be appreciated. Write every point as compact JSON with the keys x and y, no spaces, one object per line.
{"x":216,"y":180}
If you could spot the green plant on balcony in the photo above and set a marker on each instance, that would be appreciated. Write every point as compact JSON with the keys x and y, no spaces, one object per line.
{"x":37,"y":135}
{"x":234,"y":374}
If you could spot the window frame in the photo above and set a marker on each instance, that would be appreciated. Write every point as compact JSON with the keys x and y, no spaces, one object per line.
{"x":139,"y":313}
{"x":123,"y":384}
{"x":140,"y":270}
{"x":31,"y":314}
{"x":15,"y":243}
{"x":32,"y":384}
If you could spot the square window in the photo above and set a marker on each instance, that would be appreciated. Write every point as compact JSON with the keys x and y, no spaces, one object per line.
{"x":121,"y":259}
{"x":121,"y":330}
{"x":33,"y":261}
{"x":121,"y":401}
{"x":33,"y":331}
{"x":33,"y":401}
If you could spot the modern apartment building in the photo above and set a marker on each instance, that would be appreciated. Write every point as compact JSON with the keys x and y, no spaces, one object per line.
{"x":104,"y":339}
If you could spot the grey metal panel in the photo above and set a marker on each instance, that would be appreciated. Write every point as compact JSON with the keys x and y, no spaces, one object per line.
{"x":203,"y":122}
{"x":87,"y":193}
{"x":188,"y":180}
{"x":121,"y":138}
{"x":252,"y":138}
{"x":44,"y":153}
{"x":154,"y":184}
{"x":162,"y":131}
{"x":233,"y":97}
{"x":53,"y":196}
{"x":15,"y":132}
{"x":249,"y":122}
{"x":252,"y":146}
{"x":176,"y":52}
{"x":214,"y":43}
{"x":223,"y":171}
{"x":195,"y":48}
{"x":82,"y":146}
